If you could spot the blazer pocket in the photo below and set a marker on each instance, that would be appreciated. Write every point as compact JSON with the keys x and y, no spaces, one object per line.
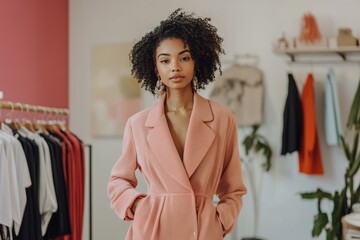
{"x":220,"y":223}
{"x":140,"y":204}
{"x":142,"y":209}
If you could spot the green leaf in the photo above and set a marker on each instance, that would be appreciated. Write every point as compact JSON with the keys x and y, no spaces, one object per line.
{"x":339,"y":210}
{"x":318,"y":194}
{"x":248,"y":144}
{"x":320,"y":222}
{"x":346,"y":148}
{"x":268,"y":155}
{"x":258,"y":146}
{"x":354,"y":167}
{"x":337,"y":206}
{"x":357,"y":194}
{"x":355,"y":145}
{"x":354,"y":110}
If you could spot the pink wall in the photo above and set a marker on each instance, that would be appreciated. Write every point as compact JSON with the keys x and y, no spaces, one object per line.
{"x":34,"y":52}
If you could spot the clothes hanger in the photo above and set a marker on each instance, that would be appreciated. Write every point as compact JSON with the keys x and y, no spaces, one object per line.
{"x":312,"y":68}
{"x":28,"y":123}
{"x":64,"y":122}
{"x":16,"y":122}
{"x":40,"y":124}
{"x":51,"y":124}
{"x":55,"y":123}
{"x":14,"y":125}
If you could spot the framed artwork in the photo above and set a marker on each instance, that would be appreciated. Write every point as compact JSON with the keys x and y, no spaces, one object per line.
{"x":115,"y":94}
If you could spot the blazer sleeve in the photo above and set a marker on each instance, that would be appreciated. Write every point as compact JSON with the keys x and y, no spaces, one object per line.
{"x":231,"y":187}
{"x":122,"y":182}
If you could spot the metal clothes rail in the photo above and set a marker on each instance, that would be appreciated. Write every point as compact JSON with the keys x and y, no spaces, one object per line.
{"x":33,"y":108}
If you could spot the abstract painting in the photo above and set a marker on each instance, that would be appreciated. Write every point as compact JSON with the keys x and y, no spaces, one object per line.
{"x":115,"y":94}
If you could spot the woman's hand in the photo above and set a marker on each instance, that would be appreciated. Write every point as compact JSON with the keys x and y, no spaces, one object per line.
{"x":136,"y":202}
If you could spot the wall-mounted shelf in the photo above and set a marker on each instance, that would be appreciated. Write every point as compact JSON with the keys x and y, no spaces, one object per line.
{"x":342,"y":52}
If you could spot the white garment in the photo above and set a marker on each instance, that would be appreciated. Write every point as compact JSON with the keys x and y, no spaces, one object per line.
{"x":5,"y":202}
{"x":331,"y":111}
{"x":19,"y":176}
{"x":47,"y":196}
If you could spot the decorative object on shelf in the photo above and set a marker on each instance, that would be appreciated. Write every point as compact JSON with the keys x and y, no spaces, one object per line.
{"x":310,"y":35}
{"x":345,"y":38}
{"x":256,"y":146}
{"x":312,"y":42}
{"x":282,"y":42}
{"x":344,"y":200}
{"x":310,"y":32}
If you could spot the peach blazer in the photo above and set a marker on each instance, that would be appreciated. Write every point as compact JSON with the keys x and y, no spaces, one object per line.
{"x":179,"y":203}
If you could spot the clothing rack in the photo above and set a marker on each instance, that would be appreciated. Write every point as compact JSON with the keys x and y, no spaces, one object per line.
{"x":89,"y":147}
{"x":33,"y":108}
{"x":7,"y":105}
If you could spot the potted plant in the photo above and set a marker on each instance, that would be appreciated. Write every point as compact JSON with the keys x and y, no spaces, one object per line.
{"x":256,"y":146}
{"x":342,"y":201}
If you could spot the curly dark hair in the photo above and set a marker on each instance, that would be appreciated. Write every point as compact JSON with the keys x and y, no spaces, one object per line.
{"x":197,"y":33}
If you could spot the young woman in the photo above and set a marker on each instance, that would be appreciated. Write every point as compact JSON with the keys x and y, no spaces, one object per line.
{"x":185,"y":145}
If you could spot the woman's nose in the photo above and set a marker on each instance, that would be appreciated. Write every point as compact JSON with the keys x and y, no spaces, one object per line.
{"x":175,"y":66}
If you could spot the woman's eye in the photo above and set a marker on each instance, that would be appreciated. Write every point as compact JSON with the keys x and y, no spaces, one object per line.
{"x":185,"y":59}
{"x":164,"y":61}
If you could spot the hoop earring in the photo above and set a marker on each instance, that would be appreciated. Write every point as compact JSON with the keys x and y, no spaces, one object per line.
{"x":195,"y":83}
{"x":160,"y":87}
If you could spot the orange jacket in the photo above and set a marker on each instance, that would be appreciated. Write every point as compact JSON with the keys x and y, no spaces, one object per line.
{"x":310,"y":161}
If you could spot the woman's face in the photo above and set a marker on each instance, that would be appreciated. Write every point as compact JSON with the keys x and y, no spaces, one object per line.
{"x":174,"y":64}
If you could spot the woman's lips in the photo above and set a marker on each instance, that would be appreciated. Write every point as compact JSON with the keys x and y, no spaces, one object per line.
{"x":177,"y":79}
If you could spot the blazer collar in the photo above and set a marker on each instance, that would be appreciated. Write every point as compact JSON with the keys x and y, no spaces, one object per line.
{"x":198,"y":140}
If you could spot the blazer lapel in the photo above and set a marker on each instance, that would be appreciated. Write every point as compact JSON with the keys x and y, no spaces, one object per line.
{"x":162,"y":144}
{"x":199,"y":136}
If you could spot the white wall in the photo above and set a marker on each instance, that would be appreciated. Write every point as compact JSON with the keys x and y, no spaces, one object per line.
{"x":247,"y":26}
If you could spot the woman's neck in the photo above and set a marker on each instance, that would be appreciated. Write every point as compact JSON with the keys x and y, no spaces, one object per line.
{"x":179,"y":100}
